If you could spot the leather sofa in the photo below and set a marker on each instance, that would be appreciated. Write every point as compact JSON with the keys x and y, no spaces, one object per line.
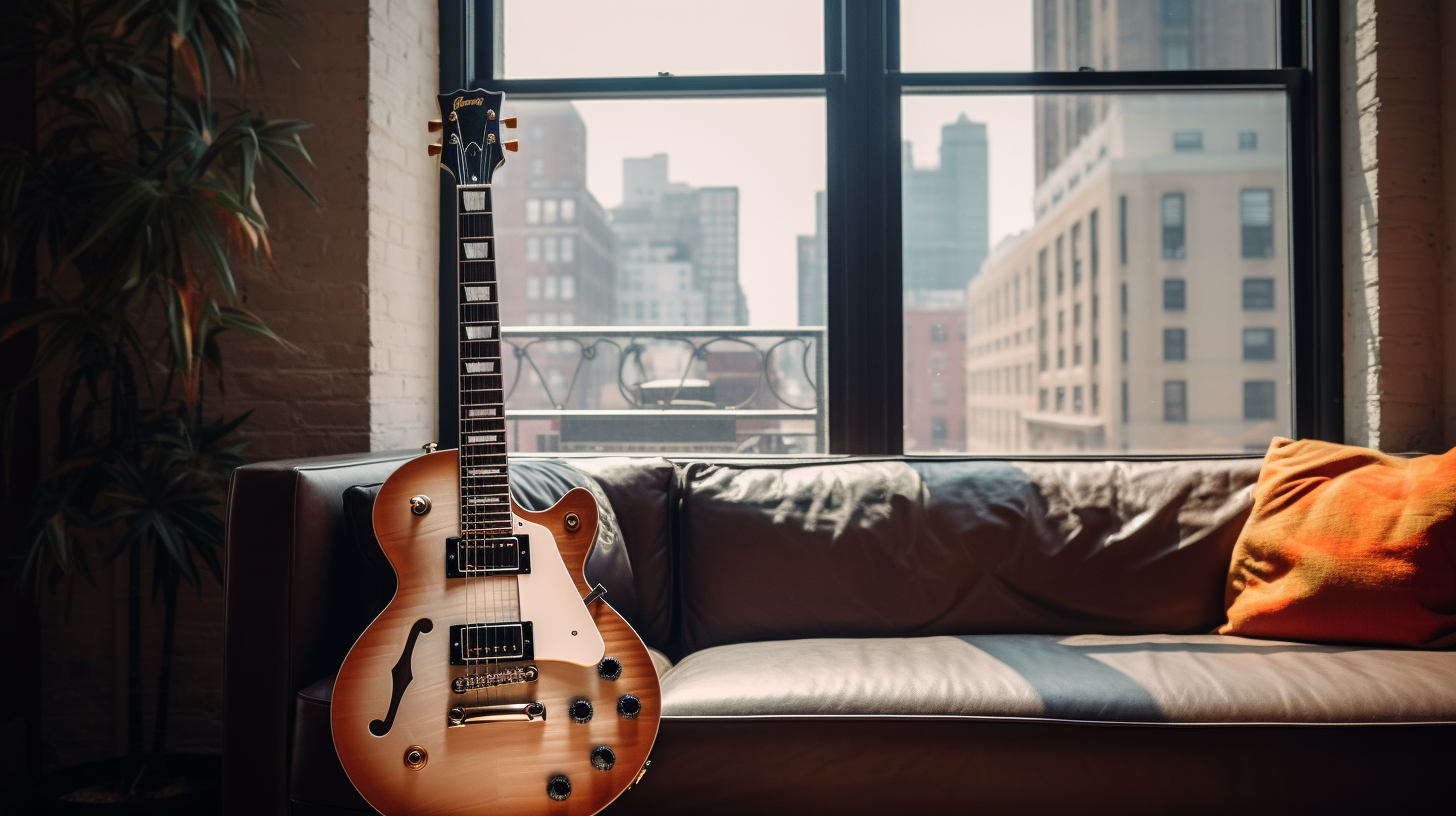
{"x":845,"y":635}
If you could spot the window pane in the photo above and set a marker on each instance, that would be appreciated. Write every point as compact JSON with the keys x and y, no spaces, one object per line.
{"x":1259,"y":403}
{"x":1259,"y":344}
{"x":1256,"y":215}
{"x":1088,"y":261}
{"x":651,"y":266}
{"x":1067,"y":35}
{"x":1258,"y":293}
{"x":585,"y":38}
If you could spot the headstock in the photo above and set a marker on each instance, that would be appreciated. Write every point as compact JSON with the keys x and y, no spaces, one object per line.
{"x":470,"y":146}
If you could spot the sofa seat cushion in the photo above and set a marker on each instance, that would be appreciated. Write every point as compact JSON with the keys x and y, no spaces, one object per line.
{"x":1156,"y":679}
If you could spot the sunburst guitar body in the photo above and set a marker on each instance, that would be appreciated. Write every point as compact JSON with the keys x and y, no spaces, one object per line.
{"x":496,"y":681}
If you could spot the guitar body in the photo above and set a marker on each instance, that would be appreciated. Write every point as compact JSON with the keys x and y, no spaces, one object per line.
{"x":425,"y":764}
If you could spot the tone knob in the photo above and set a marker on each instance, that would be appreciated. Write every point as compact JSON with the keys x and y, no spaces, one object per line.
{"x":629,"y":706}
{"x":558,"y":787}
{"x":581,"y":711}
{"x":603,"y":758}
{"x":610,"y":668}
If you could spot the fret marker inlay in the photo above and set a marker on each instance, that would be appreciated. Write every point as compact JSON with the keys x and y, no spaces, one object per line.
{"x":479,"y":332}
{"x":476,"y":251}
{"x":479,"y":368}
{"x":481,"y":439}
{"x":481,"y":412}
{"x":475,"y":294}
{"x":473,"y":200}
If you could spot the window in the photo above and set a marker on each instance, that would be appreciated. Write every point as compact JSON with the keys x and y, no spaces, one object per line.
{"x":538,"y":168}
{"x":1259,"y":399}
{"x":548,"y":246}
{"x":1077,"y":254}
{"x":1174,"y":295}
{"x":1061,"y":274}
{"x":1061,"y":398}
{"x":938,"y":429}
{"x":1256,"y":219}
{"x":1248,"y":140}
{"x":533,"y":211}
{"x":1076,"y":399}
{"x":1258,"y":344}
{"x":938,"y":333}
{"x":1071,"y":148}
{"x":568,"y":287}
{"x":937,"y":393}
{"x":549,"y":288}
{"x":533,"y":249}
{"x":1096,"y":406}
{"x":548,"y":211}
{"x":568,"y":249}
{"x":1187,"y":140}
{"x":1258,"y":294}
{"x":1041,"y":400}
{"x":1125,"y":408}
{"x":1175,"y":345}
{"x":1175,"y":400}
{"x":1173,"y":246}
{"x":533,"y":288}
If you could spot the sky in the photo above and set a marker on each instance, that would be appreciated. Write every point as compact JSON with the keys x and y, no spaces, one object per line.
{"x":773,"y":150}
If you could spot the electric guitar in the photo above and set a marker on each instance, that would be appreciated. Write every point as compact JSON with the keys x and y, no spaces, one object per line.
{"x":496,"y":681}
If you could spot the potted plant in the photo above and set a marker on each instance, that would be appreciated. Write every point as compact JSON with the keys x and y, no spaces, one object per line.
{"x":134,"y":214}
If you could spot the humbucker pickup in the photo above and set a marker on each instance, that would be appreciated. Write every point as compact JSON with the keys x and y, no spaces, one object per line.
{"x":479,"y":642}
{"x":501,"y":555}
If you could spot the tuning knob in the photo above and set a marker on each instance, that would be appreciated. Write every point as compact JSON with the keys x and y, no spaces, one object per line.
{"x":512,"y":145}
{"x":603,"y":758}
{"x":436,"y":124}
{"x":629,"y":706}
{"x":610,"y":668}
{"x":509,"y":121}
{"x":434,"y":149}
{"x":580,"y":711}
{"x":558,"y":787}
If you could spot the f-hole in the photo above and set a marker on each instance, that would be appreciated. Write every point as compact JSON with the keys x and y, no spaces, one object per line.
{"x":402,"y":676}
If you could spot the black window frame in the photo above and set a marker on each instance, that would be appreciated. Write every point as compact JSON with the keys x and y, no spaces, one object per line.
{"x":863,"y":86}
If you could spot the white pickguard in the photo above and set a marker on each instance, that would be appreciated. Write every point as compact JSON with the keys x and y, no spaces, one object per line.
{"x":562,"y":625}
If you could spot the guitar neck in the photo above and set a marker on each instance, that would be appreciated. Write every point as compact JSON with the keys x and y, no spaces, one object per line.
{"x":485,"y":506}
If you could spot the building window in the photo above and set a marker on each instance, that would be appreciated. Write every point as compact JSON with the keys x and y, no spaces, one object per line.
{"x":538,"y":167}
{"x":1248,"y":140}
{"x":533,"y":288}
{"x":1256,"y":220}
{"x":1092,"y":244}
{"x":1258,"y":294}
{"x":937,"y":363}
{"x":937,"y":393}
{"x":1061,"y":398}
{"x":1096,"y":348}
{"x":1061,"y":358}
{"x":1173,"y":234}
{"x":548,"y":211}
{"x":937,"y":429}
{"x":1095,"y":398}
{"x":1077,"y":354}
{"x":1076,"y":399}
{"x":938,"y":333}
{"x":1258,"y":399}
{"x":1122,"y":229}
{"x":548,"y":246}
{"x":1175,"y":345}
{"x":568,"y":287}
{"x":568,"y":249}
{"x":1258,"y":344}
{"x":1061,"y":273}
{"x":1041,"y":276}
{"x":549,"y":288}
{"x":1124,"y":345}
{"x":533,"y":249}
{"x":1077,"y":254}
{"x":1175,"y":400}
{"x":1122,"y":296}
{"x":568,"y":210}
{"x":1126,"y":410}
{"x":1187,"y":140}
{"x":533,"y":211}
{"x":1041,"y":400}
{"x":1174,"y":295}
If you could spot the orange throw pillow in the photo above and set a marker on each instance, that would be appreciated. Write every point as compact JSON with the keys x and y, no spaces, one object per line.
{"x":1347,"y":545}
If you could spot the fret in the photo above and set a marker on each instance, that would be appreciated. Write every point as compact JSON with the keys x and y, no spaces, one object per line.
{"x":475,"y":226}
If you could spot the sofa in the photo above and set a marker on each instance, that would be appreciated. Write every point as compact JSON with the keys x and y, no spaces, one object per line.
{"x":877,"y":635}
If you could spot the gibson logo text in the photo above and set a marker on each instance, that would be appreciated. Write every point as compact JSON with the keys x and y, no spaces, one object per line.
{"x":462,"y":102}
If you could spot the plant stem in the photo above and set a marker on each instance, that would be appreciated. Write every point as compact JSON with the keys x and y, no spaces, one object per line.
{"x":135,"y":746}
{"x":164,"y":676}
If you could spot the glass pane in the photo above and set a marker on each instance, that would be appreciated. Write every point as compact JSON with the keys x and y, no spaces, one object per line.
{"x":1084,"y":282}
{"x":661,"y":284}
{"x":1068,"y":35}
{"x":588,"y":38}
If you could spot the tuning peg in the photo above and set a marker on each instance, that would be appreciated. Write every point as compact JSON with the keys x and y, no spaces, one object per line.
{"x":436,"y":124}
{"x":434,"y":148}
{"x":512,"y":145}
{"x":509,"y":122}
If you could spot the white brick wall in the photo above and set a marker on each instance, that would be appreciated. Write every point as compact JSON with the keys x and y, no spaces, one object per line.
{"x":403,"y":225}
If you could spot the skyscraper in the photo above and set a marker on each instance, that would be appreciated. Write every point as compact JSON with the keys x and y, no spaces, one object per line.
{"x":813,"y":264}
{"x":678,"y":246}
{"x":947,"y":210}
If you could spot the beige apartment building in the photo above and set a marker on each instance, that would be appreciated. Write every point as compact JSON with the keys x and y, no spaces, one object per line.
{"x":1147,"y":309}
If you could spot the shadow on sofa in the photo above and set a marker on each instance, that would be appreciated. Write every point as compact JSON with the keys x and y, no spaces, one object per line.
{"x":877,"y":635}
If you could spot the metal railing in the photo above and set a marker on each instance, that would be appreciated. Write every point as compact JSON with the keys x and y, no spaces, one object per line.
{"x":665,"y":389}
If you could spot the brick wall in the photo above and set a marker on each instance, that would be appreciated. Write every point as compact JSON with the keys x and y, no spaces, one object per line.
{"x":1400,"y":377}
{"x":403,"y":212}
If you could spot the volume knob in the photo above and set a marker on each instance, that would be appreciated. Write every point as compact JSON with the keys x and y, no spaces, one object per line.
{"x":603,"y":758}
{"x":610,"y":668}
{"x":558,"y":787}
{"x":581,"y":711}
{"x":629,"y":706}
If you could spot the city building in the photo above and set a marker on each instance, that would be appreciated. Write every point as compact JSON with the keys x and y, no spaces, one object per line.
{"x":665,"y":228}
{"x":947,"y":210}
{"x":813,"y":266}
{"x":1147,"y":308}
{"x":935,"y":376}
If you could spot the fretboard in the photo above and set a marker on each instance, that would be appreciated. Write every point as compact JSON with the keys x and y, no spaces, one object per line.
{"x":485,"y":494}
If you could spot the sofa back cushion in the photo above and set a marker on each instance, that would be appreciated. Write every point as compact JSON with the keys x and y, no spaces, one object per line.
{"x":866,"y":548}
